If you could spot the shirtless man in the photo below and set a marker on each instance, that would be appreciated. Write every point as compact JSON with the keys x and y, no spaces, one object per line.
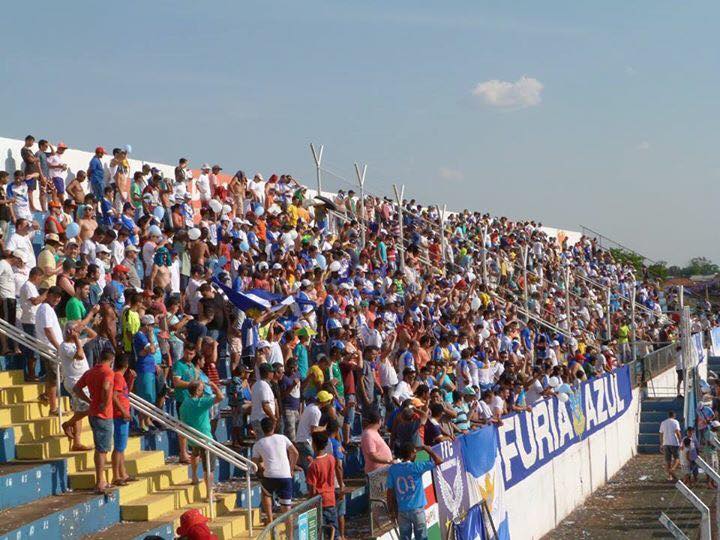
{"x":119,"y":171}
{"x":75,"y":187}
{"x":237,"y":187}
{"x":107,"y":327}
{"x":88,"y":224}
{"x":199,"y":250}
{"x":160,"y":275}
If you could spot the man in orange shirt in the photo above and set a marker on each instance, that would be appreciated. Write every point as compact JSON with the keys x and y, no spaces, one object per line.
{"x":99,"y":382}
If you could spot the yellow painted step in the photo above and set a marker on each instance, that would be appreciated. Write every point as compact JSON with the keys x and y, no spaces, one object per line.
{"x":41,"y":428}
{"x":171,"y":474}
{"x":20,"y":393}
{"x":80,"y":461}
{"x":5,"y":417}
{"x":85,"y":479}
{"x":235,"y":523}
{"x":50,"y":447}
{"x":11,"y":377}
{"x":32,"y":410}
{"x":148,"y":508}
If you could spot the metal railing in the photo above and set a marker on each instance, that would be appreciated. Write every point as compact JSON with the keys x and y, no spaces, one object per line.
{"x":210,"y":445}
{"x":306,"y":516}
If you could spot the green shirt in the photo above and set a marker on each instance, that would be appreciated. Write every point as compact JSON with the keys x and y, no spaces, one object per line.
{"x":195,"y":412}
{"x":75,"y":310}
{"x":186,"y":372}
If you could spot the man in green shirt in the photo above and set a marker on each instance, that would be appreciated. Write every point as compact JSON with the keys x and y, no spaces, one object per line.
{"x":195,"y":412}
{"x":184,"y":373}
{"x":75,"y":309}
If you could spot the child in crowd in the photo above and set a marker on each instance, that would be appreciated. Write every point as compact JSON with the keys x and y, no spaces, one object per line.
{"x":321,"y":479}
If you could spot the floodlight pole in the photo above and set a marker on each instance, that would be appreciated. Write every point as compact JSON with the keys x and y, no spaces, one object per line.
{"x":567,"y":298}
{"x":399,"y":197}
{"x":317,"y":156}
{"x":361,"y":183}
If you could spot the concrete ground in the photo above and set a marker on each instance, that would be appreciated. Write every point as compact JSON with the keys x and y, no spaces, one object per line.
{"x":629,"y":505}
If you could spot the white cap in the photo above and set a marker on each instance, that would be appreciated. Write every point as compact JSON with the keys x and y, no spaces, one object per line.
{"x":306,"y":283}
{"x":131,"y":247}
{"x":147,"y":319}
{"x":262,"y":265}
{"x":204,"y":166}
{"x":194,"y":233}
{"x":277,"y":266}
{"x":102,"y":248}
{"x":263,"y":344}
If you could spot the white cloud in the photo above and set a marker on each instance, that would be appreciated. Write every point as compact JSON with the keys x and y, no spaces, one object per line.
{"x":450,"y":175}
{"x":525,"y":92}
{"x":645,"y":145}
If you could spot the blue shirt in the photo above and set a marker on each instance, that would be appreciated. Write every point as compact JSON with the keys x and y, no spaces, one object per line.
{"x":96,"y":171}
{"x":405,"y":479}
{"x":145,"y":361}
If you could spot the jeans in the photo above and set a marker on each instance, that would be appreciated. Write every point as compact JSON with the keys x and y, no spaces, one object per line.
{"x":412,"y":522}
{"x":329,"y":517}
{"x":290,"y":421}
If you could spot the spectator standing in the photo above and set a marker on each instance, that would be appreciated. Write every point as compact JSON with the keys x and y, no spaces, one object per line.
{"x":276,"y":457}
{"x":48,"y":331}
{"x":321,"y":477}
{"x":99,"y":382}
{"x":121,"y":421}
{"x":263,"y":400}
{"x":406,"y":494}
{"x":375,"y":450}
{"x":670,"y":437}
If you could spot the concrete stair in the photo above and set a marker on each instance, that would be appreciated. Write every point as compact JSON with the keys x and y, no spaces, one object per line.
{"x":151,"y":504}
{"x":654,"y":411}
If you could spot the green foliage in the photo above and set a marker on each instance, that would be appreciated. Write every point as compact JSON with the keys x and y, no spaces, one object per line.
{"x":625,"y":256}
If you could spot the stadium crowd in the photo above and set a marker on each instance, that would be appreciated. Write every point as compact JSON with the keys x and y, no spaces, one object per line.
{"x":264,"y":295}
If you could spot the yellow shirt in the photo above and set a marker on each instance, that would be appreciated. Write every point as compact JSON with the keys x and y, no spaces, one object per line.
{"x":46,"y":261}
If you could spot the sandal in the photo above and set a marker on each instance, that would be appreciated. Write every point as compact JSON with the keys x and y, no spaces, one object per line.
{"x":67,"y":430}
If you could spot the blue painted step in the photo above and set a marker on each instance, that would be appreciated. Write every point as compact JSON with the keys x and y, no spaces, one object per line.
{"x":21,"y":483}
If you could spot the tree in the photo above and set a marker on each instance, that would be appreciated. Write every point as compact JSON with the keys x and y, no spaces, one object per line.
{"x":700,"y":266}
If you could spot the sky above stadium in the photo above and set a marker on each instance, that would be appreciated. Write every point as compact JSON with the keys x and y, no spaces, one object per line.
{"x":571,"y":113}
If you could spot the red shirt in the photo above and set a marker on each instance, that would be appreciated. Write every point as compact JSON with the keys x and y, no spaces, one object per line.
{"x":211,"y":371}
{"x":321,"y":475}
{"x":94,"y":379}
{"x":120,"y":389}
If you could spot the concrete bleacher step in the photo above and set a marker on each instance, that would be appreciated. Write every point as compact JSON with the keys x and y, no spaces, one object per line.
{"x":31,"y":410}
{"x":68,"y":516}
{"x":26,"y":482}
{"x":19,"y":393}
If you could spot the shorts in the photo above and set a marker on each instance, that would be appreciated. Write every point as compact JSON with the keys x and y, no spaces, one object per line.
{"x":329,"y":517}
{"x":671,"y":452}
{"x":121,"y":432}
{"x":102,"y":429}
{"x":51,"y":371}
{"x":77,"y":405}
{"x":31,"y":184}
{"x":235,"y":345}
{"x":282,"y":487}
{"x":197,"y":451}
{"x":59,"y":184}
{"x":341,"y":504}
{"x":350,"y":407}
{"x":680,"y":375}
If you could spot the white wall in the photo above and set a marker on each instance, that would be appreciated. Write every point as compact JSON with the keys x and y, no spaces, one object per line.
{"x":540,"y":502}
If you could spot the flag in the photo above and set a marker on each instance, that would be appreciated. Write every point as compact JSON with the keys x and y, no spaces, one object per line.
{"x":244,"y":300}
{"x":472,"y":527}
{"x":481,"y":453}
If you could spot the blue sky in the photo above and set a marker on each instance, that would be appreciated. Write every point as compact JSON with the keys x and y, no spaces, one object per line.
{"x":602,"y":114}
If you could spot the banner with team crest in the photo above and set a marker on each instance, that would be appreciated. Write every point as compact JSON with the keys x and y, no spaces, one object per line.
{"x":529,"y":440}
{"x":450,"y":482}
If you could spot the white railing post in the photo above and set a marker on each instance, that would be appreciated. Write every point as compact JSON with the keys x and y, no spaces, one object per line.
{"x":249,"y":503}
{"x":608,"y":315}
{"x":715,"y":477}
{"x":210,"y":484}
{"x":525,"y":278}
{"x":361,"y":183}
{"x":633,"y":292}
{"x":484,"y":256}
{"x":705,"y":526}
{"x":673,"y":529}
{"x":567,"y":297}
{"x":443,"y":240}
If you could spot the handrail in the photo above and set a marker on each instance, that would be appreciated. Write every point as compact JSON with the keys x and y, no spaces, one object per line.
{"x":139,"y":404}
{"x":300,"y":508}
{"x":586,"y":228}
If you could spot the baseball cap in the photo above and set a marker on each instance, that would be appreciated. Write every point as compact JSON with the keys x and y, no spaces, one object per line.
{"x":52,"y":237}
{"x":102,"y":248}
{"x":131,"y":247}
{"x":100,"y":150}
{"x":120,"y":268}
{"x":305,"y":331}
{"x":263,"y":344}
{"x":323,"y":396}
{"x":147,"y":319}
{"x":61,"y":145}
{"x":55,"y":204}
{"x":189,"y":520}
{"x":204,"y":166}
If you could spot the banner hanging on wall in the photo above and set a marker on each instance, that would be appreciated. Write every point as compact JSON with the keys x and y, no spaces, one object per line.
{"x":450,"y":484}
{"x":529,"y":440}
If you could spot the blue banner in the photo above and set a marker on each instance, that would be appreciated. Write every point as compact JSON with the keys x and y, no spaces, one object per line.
{"x":472,"y":527}
{"x":529,"y":440}
{"x":451,"y":489}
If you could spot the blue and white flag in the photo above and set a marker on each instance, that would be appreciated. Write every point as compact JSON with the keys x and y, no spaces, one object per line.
{"x":485,"y":482}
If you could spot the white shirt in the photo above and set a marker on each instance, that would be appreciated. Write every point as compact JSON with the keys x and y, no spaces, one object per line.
{"x":261,"y":392}
{"x":309,"y":419}
{"x":402,"y":391}
{"x":203,"y":185}
{"x":276,"y":355}
{"x":72,"y":369}
{"x":7,"y":280}
{"x":669,"y":428}
{"x":18,"y":242}
{"x":388,"y":375}
{"x":55,"y":165}
{"x":45,"y":317}
{"x":28,"y":292}
{"x":273,"y":451}
{"x":21,"y":206}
